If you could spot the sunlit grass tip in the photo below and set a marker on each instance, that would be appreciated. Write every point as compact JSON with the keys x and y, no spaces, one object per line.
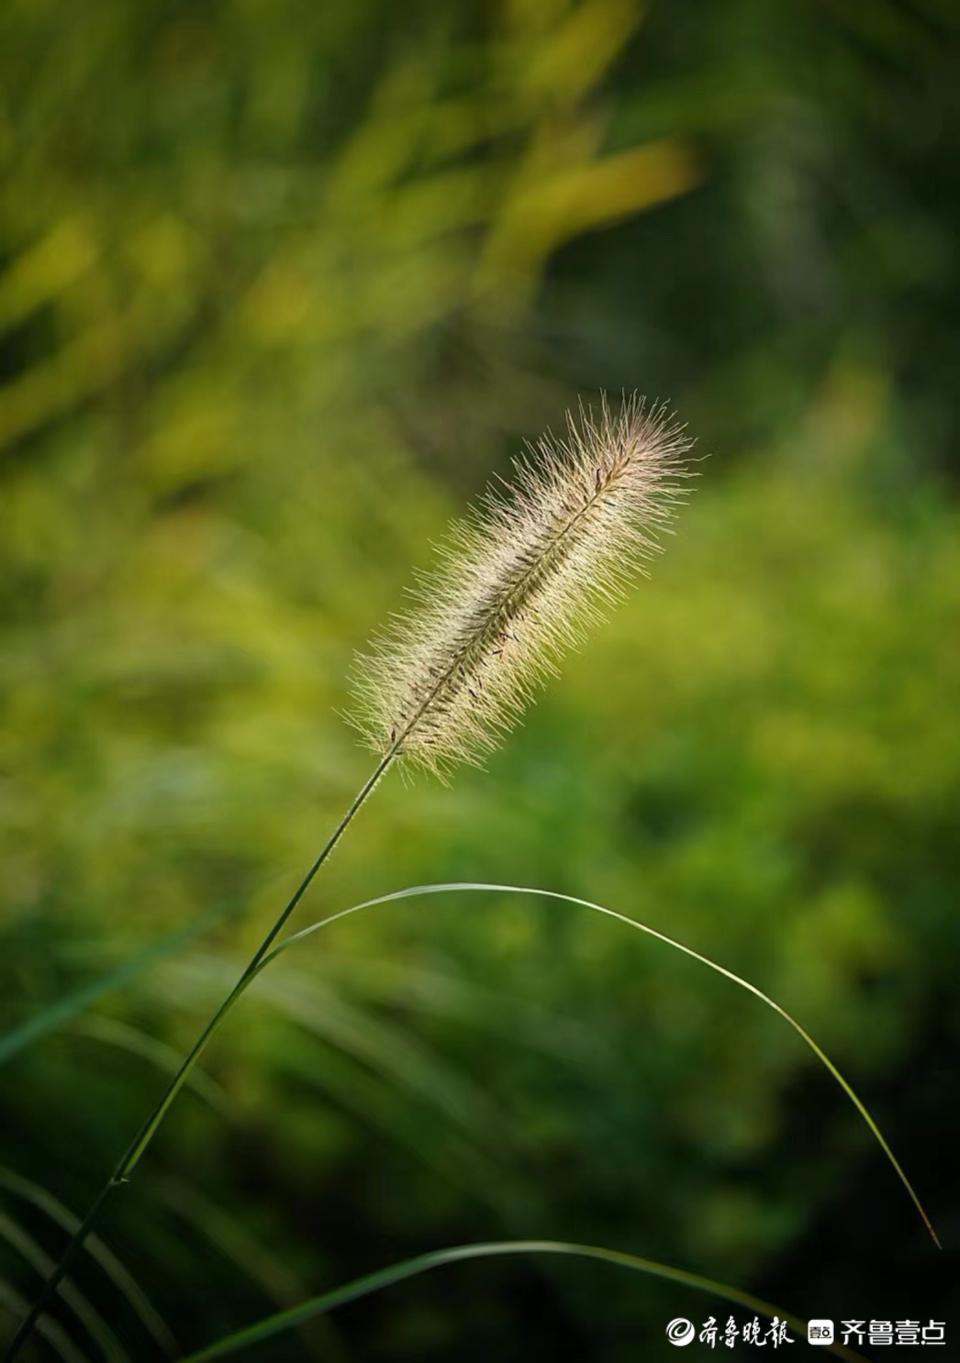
{"x":518,"y":580}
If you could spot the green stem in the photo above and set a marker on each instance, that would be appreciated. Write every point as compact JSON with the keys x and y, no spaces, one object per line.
{"x":131,"y":1156}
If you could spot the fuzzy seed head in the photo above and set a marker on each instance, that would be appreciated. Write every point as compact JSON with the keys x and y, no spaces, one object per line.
{"x":518,"y":581}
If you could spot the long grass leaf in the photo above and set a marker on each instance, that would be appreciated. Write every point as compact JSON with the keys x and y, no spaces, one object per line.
{"x":409,"y":1268}
{"x":416,"y":891}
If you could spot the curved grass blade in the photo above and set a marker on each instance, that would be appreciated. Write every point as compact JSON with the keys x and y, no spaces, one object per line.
{"x":409,"y":1268}
{"x":121,"y":1278}
{"x":416,"y":891}
{"x":88,"y":1316}
{"x":55,"y":1335}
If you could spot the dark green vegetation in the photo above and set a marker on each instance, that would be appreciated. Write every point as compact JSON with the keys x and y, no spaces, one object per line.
{"x":281,"y":285}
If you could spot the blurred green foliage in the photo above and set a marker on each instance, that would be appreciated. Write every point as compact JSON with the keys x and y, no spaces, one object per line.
{"x":281,"y":286}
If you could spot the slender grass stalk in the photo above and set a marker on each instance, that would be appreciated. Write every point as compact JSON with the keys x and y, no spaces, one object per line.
{"x":56,"y":1014}
{"x":111,"y":1266}
{"x":530,"y":573}
{"x":131,"y":1156}
{"x":111,"y":1032}
{"x":28,"y":1249}
{"x":55,"y":1335}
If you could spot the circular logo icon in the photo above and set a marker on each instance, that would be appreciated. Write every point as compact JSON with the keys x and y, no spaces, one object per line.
{"x":681,"y":1332}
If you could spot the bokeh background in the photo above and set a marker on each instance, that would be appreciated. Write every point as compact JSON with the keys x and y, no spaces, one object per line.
{"x":281,"y":286}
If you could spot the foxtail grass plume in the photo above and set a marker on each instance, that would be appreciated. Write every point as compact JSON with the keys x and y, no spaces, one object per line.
{"x":519,"y":580}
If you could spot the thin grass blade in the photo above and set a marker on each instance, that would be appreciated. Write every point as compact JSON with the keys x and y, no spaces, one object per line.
{"x":416,"y":891}
{"x":423,"y":1263}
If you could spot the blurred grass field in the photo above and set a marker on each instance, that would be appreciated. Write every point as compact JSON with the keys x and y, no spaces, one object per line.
{"x":281,"y":287}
